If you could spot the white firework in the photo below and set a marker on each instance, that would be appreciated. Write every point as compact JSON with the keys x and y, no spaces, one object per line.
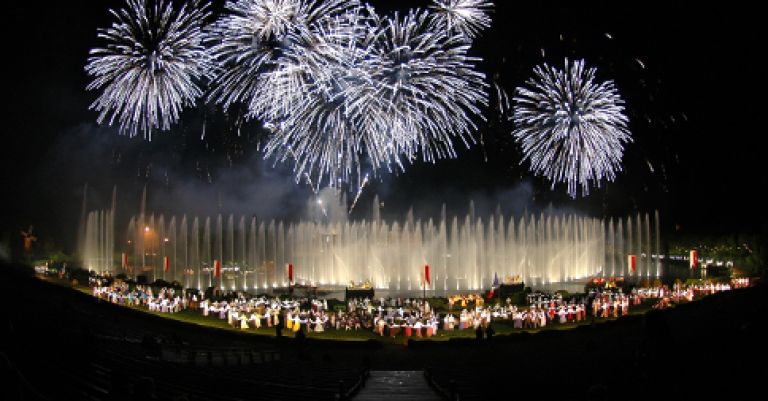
{"x":339,"y":86}
{"x":572,"y":129}
{"x":250,"y":43}
{"x":379,"y":90}
{"x":426,"y":88}
{"x":151,"y":66}
{"x":467,"y":17}
{"x":333,"y":128}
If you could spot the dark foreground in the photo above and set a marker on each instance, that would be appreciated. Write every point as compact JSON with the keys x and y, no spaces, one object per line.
{"x":60,"y":344}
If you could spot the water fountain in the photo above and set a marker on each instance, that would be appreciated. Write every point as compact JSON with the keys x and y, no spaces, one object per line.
{"x":464,"y":252}
{"x":97,"y":236}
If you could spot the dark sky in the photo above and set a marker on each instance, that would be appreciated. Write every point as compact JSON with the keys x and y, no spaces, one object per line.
{"x":693,"y":109}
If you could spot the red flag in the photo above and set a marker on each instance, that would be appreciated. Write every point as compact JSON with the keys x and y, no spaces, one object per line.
{"x":632,"y":263}
{"x":217,"y":268}
{"x":694,"y":259}
{"x":125,"y":260}
{"x":166,"y":263}
{"x":426,"y":274}
{"x":494,"y":285}
{"x":290,"y":272}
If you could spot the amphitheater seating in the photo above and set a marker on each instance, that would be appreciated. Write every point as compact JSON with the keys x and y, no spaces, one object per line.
{"x":100,"y":352}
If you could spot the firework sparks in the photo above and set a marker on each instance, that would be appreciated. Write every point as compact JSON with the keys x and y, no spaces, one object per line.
{"x":338,"y":85}
{"x":359,"y":192}
{"x":425,"y":87}
{"x":467,"y":17}
{"x":571,"y":128}
{"x":325,"y":130}
{"x":151,"y":65}
{"x":503,"y":104}
{"x":382,"y":90}
{"x":251,"y":43}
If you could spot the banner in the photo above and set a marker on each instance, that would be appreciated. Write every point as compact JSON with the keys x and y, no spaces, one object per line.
{"x":290,"y":273}
{"x":694,"y":259}
{"x":166,"y":264}
{"x":632,"y":263}
{"x":217,"y":268}
{"x":426,"y":274}
{"x":124,"y":260}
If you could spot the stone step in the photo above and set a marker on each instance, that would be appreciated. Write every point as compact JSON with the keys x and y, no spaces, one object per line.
{"x":397,"y":385}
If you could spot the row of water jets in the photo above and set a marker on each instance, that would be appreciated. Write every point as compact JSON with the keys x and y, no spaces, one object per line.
{"x":463,"y":252}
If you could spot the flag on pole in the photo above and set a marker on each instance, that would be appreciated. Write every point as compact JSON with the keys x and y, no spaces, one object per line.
{"x":426,"y":274}
{"x":217,"y":268}
{"x":632,"y":261}
{"x":166,"y":264}
{"x":290,"y":273}
{"x":694,"y":259}
{"x":125,"y":260}
{"x":494,"y":285}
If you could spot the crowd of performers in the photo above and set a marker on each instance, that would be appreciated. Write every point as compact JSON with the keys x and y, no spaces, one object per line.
{"x":667,"y":297}
{"x":398,"y":316}
{"x":166,"y":301}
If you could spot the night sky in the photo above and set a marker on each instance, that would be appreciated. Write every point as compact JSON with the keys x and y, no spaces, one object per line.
{"x":688,"y":74}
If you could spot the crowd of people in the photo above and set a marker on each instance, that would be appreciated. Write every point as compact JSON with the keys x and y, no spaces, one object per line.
{"x":398,"y":316}
{"x":166,"y":301}
{"x":464,"y":299}
{"x":667,"y":297}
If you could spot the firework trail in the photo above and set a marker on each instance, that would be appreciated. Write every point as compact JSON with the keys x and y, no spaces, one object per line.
{"x":151,"y":65}
{"x":571,"y":128}
{"x":308,"y":178}
{"x":503,"y":103}
{"x":359,"y":192}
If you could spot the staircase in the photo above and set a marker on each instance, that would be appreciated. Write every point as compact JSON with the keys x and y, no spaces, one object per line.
{"x":396,"y":385}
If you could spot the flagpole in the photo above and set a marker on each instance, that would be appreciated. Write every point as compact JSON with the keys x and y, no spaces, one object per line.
{"x":424,"y":288}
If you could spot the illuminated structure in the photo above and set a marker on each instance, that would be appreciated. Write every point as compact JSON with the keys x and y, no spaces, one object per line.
{"x":464,"y":252}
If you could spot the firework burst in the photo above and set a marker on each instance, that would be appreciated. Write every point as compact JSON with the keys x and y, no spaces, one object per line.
{"x":151,"y":65}
{"x":382,"y":90}
{"x":327,"y":132}
{"x":425,"y":87}
{"x":572,"y":129}
{"x":339,"y":86}
{"x":251,"y":43}
{"x":467,"y":17}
